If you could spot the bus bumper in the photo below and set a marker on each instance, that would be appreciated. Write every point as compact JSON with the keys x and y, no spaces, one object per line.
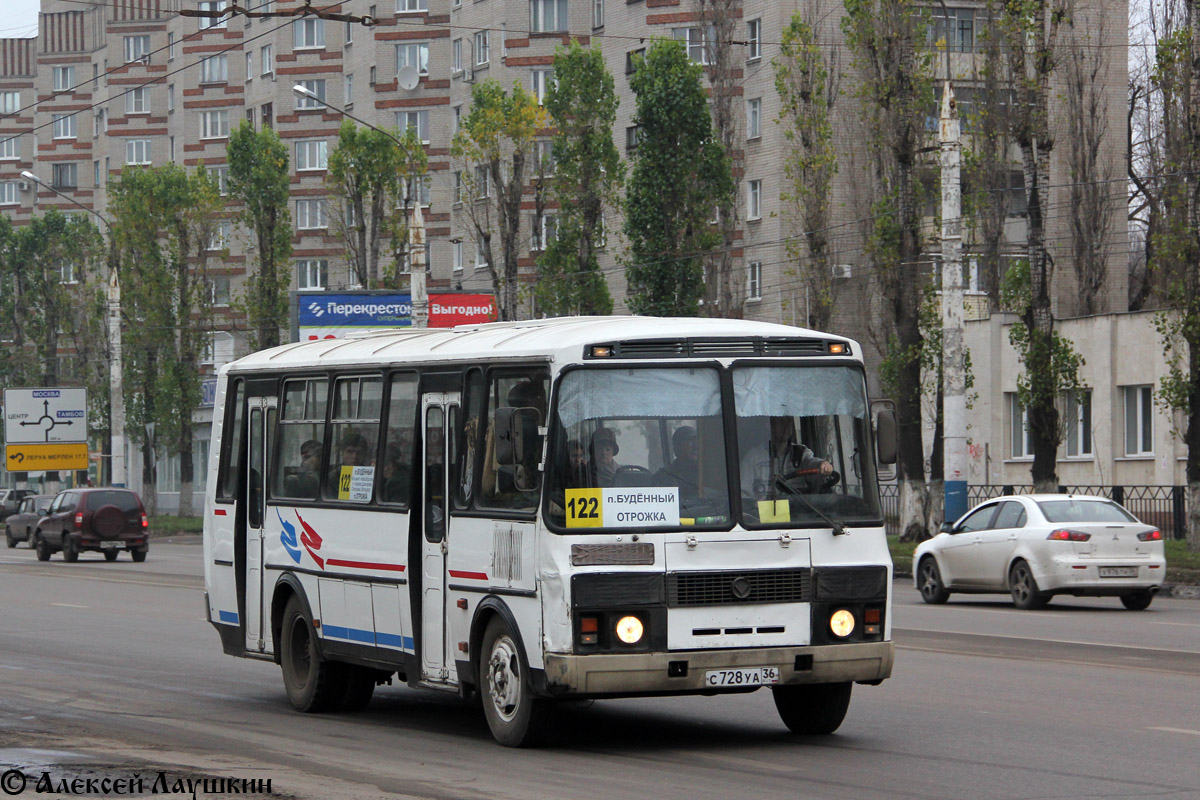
{"x":685,"y":672}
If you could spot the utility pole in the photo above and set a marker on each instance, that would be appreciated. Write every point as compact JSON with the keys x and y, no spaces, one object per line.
{"x":954,"y":393}
{"x":416,"y":268}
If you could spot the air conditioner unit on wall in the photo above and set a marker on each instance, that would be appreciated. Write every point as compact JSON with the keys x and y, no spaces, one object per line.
{"x":23,"y":186}
{"x":841,"y":271}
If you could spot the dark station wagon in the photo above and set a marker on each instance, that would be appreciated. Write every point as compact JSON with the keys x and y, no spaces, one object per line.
{"x":19,"y":526}
{"x":104,"y":520}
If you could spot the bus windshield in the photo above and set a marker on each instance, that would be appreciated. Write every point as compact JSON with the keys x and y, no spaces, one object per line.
{"x":803,"y":445}
{"x":640,"y":447}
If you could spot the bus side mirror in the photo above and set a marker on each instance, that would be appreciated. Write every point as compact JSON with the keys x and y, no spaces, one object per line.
{"x":885,"y":436}
{"x":517,"y":440}
{"x":505,"y":446}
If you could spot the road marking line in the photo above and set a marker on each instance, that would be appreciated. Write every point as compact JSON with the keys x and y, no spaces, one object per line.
{"x":69,"y":605}
{"x":1176,"y":730}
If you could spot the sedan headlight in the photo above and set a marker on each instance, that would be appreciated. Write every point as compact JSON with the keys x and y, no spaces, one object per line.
{"x":630,"y":630}
{"x":841,"y":623}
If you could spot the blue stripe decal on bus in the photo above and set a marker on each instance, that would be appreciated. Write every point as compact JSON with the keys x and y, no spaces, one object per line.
{"x":230,"y":617}
{"x":367,"y":637}
{"x":392,"y":640}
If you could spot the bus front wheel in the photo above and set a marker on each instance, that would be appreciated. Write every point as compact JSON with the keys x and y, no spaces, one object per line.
{"x":516,"y":717}
{"x":814,"y":709}
{"x":312,"y":683}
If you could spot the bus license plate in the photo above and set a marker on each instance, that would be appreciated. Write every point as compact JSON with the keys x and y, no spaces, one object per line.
{"x":756,"y":676}
{"x":1118,"y":572}
{"x":112,"y":545}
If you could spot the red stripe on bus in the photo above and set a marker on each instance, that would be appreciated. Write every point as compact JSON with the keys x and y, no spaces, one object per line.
{"x":220,"y":512}
{"x":337,"y":562}
{"x":475,"y":576}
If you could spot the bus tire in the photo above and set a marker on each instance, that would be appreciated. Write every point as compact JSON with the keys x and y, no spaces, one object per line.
{"x":515,"y":716}
{"x":813,"y":709}
{"x":312,"y":683}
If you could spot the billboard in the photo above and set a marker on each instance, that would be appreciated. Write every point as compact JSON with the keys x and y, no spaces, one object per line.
{"x":332,"y":315}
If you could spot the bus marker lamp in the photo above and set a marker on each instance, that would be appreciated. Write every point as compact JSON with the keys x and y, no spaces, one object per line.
{"x":630,"y":630}
{"x":837,"y":349}
{"x":601,"y":351}
{"x":588,"y":630}
{"x":841,"y":624}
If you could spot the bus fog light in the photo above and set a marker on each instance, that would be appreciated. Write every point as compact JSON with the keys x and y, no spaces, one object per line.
{"x":841,"y":624}
{"x":630,"y":630}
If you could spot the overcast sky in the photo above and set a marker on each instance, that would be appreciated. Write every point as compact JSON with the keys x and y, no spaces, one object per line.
{"x":19,"y":18}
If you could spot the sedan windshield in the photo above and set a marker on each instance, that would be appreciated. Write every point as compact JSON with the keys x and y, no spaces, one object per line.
{"x":803,"y":445}
{"x":639,"y":448}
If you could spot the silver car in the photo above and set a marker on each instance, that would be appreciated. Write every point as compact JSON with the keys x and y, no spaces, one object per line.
{"x":1039,"y":545}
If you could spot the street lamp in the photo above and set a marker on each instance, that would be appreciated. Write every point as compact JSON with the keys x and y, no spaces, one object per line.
{"x":116,"y":392}
{"x":416,"y":231}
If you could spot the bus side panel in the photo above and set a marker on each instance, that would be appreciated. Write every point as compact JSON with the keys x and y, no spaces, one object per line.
{"x":219,"y":579}
{"x":389,"y":605}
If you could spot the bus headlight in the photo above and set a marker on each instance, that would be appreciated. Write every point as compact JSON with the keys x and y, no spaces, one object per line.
{"x":630,"y":630}
{"x":841,"y":623}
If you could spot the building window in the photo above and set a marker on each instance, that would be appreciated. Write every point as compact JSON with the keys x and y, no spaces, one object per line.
{"x":266,"y":56}
{"x":64,"y":176}
{"x":543,"y":231}
{"x":214,"y":69}
{"x":754,"y":200}
{"x":458,"y":255}
{"x":171,"y":46}
{"x":1079,"y":423}
{"x":137,"y":151}
{"x":221,"y":176}
{"x":482,"y":183}
{"x":137,"y":48}
{"x":540,"y":82}
{"x":312,"y":154}
{"x":597,"y":13}
{"x":64,"y":126}
{"x":631,"y":137}
{"x":308,"y":32}
{"x":953,"y":28}
{"x":212,"y":22}
{"x":753,"y":39}
{"x":481,"y":47}
{"x":754,"y":118}
{"x":312,"y":273}
{"x":417,"y":120}
{"x":218,"y":239}
{"x":410,"y":6}
{"x":138,"y":100}
{"x":214,"y":124}
{"x":10,"y":102}
{"x":10,"y":147}
{"x":1139,"y":420}
{"x":406,"y":260}
{"x":547,"y":16}
{"x":633,"y":58}
{"x":171,"y":147}
{"x":415,"y":55}
{"x":543,"y":158}
{"x":268,"y":116}
{"x":458,"y":188}
{"x":456,"y":57}
{"x":64,"y":78}
{"x":1019,"y":433}
{"x":456,"y":121}
{"x":421,"y":188}
{"x":754,"y":280}
{"x":9,"y":193}
{"x":310,"y":215}
{"x":218,"y":290}
{"x":348,"y":90}
{"x":480,"y":256}
{"x":698,"y":42}
{"x":249,"y":67}
{"x":171,"y":97}
{"x":316,"y":87}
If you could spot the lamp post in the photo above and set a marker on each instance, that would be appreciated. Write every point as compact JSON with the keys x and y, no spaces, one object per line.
{"x":416,"y":231}
{"x":116,"y":392}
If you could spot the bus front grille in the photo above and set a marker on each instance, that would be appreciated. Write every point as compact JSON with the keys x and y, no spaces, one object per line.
{"x":739,"y":587}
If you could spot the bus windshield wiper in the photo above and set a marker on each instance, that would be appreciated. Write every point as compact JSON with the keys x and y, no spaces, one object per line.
{"x":838,"y":528}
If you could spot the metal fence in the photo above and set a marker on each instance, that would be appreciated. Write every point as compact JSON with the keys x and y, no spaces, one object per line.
{"x":1165,"y":507}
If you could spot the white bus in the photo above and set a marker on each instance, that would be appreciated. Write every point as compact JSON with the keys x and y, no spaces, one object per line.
{"x":554,"y":509}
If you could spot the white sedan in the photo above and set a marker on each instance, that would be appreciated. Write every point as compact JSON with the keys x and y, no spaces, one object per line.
{"x":1039,"y":545}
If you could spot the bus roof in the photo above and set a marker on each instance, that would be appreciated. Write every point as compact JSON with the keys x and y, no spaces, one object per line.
{"x":561,"y":339}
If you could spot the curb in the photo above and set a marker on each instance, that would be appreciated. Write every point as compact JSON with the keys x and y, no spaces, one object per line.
{"x":1185,"y":591}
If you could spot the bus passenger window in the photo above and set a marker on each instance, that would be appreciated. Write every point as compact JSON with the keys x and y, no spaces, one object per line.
{"x":398,"y":456}
{"x":355,"y":432}
{"x":515,"y":484}
{"x":301,"y":433}
{"x":467,"y":481}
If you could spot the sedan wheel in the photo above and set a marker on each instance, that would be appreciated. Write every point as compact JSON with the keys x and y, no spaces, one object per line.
{"x":12,"y":542}
{"x":1137,"y":601}
{"x":1024,"y":588}
{"x":930,"y":582}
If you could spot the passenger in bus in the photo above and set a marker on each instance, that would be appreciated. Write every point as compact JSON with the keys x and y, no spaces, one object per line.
{"x":604,"y":451}
{"x":303,"y":483}
{"x":397,"y":476}
{"x":353,"y":454}
{"x":684,"y":471}
{"x":577,"y":466}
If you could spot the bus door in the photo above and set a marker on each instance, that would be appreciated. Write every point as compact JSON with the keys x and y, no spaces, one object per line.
{"x":439,"y":411}
{"x":261,"y":424}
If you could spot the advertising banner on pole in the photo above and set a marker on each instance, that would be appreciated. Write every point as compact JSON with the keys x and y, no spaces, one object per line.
{"x":333,"y":315}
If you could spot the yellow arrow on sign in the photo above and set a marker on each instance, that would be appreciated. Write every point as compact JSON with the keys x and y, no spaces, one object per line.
{"x":36,"y":457}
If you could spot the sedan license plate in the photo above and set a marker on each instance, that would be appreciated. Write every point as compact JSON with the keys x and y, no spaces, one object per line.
{"x":112,"y":545}
{"x":1118,"y":572}
{"x":755,"y":676}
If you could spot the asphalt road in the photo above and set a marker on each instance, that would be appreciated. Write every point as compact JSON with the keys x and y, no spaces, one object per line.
{"x":109,"y":670}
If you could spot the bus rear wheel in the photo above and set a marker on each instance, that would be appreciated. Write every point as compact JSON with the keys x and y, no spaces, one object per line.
{"x":515,"y":716}
{"x":814,"y":709}
{"x":312,"y":683}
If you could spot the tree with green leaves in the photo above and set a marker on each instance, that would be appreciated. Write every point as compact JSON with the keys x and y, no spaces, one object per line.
{"x":587,"y":176}
{"x":493,"y":148}
{"x":895,"y":90}
{"x":259,"y":180}
{"x":371,"y":174}
{"x":680,"y":175}
{"x":164,"y":221}
{"x":807,"y":78}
